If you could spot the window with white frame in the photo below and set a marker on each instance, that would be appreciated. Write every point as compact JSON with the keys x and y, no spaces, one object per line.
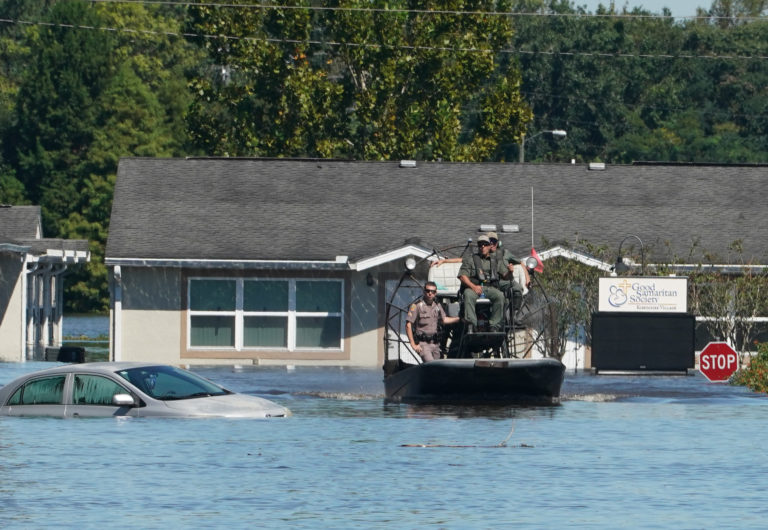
{"x":247,"y":313}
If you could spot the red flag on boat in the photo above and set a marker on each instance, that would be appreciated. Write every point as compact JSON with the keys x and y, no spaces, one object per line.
{"x":540,"y":266}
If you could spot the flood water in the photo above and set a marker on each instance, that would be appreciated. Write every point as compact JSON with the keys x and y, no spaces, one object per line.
{"x":639,"y":452}
{"x":87,"y":331}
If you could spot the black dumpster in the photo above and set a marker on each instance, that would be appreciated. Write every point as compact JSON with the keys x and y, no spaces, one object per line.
{"x":71,"y":354}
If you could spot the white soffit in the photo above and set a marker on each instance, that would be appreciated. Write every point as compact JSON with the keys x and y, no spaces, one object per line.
{"x":392,"y":255}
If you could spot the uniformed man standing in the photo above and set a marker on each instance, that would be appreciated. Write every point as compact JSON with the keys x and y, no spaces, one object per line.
{"x":425,"y":315}
{"x":480,"y":274}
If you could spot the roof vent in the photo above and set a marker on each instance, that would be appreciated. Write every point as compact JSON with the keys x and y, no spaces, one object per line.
{"x":407,"y":163}
{"x":597,"y":166}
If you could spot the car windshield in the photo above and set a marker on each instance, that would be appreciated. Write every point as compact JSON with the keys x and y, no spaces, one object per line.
{"x":167,"y":383}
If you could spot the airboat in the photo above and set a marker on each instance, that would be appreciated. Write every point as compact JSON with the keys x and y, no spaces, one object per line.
{"x":479,"y":366}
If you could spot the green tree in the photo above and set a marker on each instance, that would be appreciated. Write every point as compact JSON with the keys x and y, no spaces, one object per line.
{"x":88,"y":97}
{"x":755,"y":375}
{"x":573,"y":289}
{"x":56,"y":114}
{"x":11,"y":190}
{"x":392,"y":83}
{"x":732,"y":12}
{"x":258,"y":94}
{"x":643,"y":88}
{"x":591,"y":76}
{"x":429,"y":85}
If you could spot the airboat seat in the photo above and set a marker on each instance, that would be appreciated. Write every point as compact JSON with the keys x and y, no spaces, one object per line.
{"x":480,"y":342}
{"x":518,"y":274}
{"x":446,"y":277}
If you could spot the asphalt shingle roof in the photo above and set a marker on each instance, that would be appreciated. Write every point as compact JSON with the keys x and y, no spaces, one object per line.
{"x":246,"y":209}
{"x":21,"y":226}
{"x":19,"y":222}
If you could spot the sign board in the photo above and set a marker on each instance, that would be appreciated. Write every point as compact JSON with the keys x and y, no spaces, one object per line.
{"x":643,"y":342}
{"x":657,"y":294}
{"x":718,"y":361}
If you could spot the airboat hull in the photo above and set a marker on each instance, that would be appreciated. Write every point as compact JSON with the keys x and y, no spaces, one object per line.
{"x":479,"y":381}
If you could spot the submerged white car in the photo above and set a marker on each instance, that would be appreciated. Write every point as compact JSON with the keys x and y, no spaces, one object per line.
{"x":127,"y":389}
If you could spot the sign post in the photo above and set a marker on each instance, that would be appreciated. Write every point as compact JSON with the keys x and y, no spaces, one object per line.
{"x":718,"y":361}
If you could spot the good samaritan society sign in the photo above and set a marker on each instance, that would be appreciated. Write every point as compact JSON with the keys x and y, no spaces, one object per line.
{"x":644,"y":295}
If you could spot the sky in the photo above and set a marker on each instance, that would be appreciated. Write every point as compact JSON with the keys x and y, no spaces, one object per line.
{"x":679,"y":8}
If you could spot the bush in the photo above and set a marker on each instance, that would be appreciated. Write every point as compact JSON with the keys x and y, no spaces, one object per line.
{"x":755,"y":376}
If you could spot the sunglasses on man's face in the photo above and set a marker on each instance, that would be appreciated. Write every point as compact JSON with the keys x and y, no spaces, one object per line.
{"x":483,"y":244}
{"x":431,"y":291}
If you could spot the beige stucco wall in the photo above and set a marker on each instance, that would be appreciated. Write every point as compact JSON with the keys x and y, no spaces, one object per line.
{"x":151,"y":336}
{"x":363,"y":322}
{"x":11,"y":310}
{"x":150,"y":316}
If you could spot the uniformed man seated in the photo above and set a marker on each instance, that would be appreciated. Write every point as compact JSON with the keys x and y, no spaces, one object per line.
{"x":515,"y":284}
{"x":480,"y":274}
{"x":512,"y":289}
{"x":421,"y":324}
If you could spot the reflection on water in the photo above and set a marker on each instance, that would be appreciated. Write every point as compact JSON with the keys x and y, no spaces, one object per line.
{"x":671,"y":452}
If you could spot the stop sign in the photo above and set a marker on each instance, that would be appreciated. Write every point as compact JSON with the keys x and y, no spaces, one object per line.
{"x":718,"y":361}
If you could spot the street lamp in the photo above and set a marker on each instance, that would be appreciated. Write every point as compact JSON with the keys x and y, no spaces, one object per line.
{"x":621,"y":267}
{"x":556,"y":133}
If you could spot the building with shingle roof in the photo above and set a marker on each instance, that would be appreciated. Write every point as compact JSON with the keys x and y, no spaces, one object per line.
{"x":32,"y":269}
{"x":290,"y":261}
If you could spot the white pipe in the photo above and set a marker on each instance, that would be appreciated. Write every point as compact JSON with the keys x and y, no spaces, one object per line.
{"x":116,"y":337}
{"x":24,"y":309}
{"x":46,"y":279}
{"x":31,"y":308}
{"x":58,"y":306}
{"x":41,"y":311}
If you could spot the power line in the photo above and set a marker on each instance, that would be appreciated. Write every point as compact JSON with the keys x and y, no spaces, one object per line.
{"x":538,"y":94}
{"x":424,"y":11}
{"x":387,"y":46}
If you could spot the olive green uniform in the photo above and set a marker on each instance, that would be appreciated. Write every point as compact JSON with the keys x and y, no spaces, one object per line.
{"x":488,"y":278}
{"x":505,"y":285}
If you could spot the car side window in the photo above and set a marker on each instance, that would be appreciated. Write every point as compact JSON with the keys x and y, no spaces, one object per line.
{"x":94,"y":390}
{"x":43,"y":391}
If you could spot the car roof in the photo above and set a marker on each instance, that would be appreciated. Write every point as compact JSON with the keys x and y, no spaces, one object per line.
{"x":100,"y":367}
{"x":96,"y":367}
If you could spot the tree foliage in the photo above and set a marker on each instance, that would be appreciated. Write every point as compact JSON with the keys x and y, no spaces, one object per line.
{"x":395,"y":83}
{"x":755,"y":374}
{"x":645,"y":88}
{"x":87,"y":98}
